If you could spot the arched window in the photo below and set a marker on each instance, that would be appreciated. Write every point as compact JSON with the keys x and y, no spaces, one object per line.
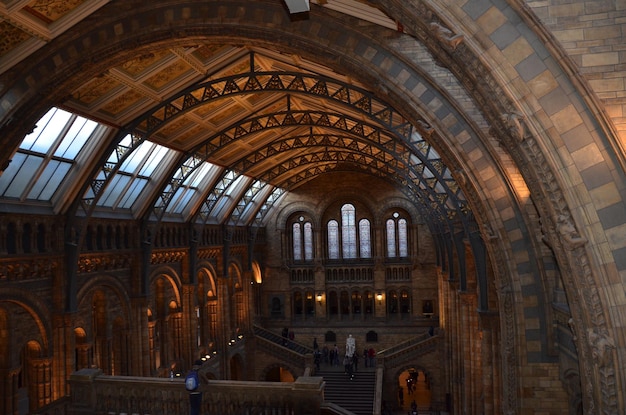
{"x":308,"y":241}
{"x":365,"y":244}
{"x":302,"y":234}
{"x":397,"y":237}
{"x":333,"y":239}
{"x":348,"y":240}
{"x":297,"y":241}
{"x":348,"y":231}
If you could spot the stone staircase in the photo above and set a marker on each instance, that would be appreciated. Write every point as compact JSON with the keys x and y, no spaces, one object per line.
{"x":356,"y":395}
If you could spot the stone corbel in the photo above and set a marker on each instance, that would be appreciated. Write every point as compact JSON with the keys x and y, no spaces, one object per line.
{"x":448,"y":38}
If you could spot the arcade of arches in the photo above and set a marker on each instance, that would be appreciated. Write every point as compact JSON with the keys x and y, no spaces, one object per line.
{"x":178,"y":175}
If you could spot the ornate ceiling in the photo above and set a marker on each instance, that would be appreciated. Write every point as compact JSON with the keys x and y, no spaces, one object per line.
{"x":269,"y":115}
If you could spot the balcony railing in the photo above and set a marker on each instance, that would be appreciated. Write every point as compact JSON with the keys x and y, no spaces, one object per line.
{"x":96,"y":394}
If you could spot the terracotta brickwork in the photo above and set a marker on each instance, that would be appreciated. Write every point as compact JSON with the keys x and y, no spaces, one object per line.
{"x":523,"y":100}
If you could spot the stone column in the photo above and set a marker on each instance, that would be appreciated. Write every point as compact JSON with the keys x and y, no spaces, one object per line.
{"x":472,"y":355}
{"x":223,"y":326}
{"x":188,"y":335}
{"x":489,"y":322}
{"x":64,"y":362}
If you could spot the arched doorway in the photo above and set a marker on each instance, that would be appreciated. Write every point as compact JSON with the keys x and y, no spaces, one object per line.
{"x":236,"y":368}
{"x":278,"y":373}
{"x":414,"y":386}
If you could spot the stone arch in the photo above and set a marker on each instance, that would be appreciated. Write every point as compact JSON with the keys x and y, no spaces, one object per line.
{"x":238,"y":306}
{"x":586,"y":280}
{"x":35,"y":309}
{"x":431,"y":378}
{"x":25,"y":360}
{"x":164,"y":305}
{"x":206,"y":281}
{"x":237,"y":367}
{"x":290,"y":209}
{"x":107,"y":282}
{"x":170,"y":275}
{"x":207,"y":297}
{"x":269,"y":372}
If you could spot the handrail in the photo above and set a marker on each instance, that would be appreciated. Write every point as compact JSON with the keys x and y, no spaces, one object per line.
{"x":405,"y":344}
{"x":98,"y":394}
{"x":281,"y":341}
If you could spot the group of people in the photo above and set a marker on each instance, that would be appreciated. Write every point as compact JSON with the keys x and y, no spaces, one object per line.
{"x":332,"y":356}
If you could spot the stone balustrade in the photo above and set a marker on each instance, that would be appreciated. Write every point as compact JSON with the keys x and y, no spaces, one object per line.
{"x":96,"y":394}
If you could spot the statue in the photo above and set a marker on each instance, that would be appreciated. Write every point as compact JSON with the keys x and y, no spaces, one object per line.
{"x":350,"y":346}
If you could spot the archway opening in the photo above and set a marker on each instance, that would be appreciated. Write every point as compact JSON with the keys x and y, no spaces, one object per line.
{"x":279,"y":374}
{"x":414,"y":390}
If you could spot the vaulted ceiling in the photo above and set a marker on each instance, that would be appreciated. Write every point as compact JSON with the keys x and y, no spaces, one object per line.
{"x":487,"y":117}
{"x":273,"y":116}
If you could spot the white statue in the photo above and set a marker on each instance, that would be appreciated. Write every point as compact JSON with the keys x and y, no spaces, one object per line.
{"x":350,"y":346}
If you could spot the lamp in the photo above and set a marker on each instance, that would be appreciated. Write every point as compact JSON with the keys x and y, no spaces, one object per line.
{"x":319,"y":298}
{"x":379,"y":297}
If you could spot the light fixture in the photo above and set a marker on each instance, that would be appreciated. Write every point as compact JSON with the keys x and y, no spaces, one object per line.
{"x":379,"y":297}
{"x":319,"y":298}
{"x":297,"y":6}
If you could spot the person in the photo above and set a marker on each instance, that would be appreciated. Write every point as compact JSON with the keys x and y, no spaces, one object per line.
{"x":317,"y":355}
{"x":285,"y":335}
{"x":365,"y":359}
{"x":315,"y":345}
{"x":355,"y":362}
{"x":325,"y":353}
{"x":413,"y":407}
{"x":195,"y":395}
{"x":371,"y":354}
{"x":336,"y":355}
{"x":347,"y":363}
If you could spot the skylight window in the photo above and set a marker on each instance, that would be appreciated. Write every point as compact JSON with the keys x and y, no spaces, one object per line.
{"x":190,"y":190}
{"x":133,"y":176}
{"x":46,"y":156}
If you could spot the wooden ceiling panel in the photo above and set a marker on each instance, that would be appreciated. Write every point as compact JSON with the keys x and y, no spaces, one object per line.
{"x":193,"y":135}
{"x":169,"y":75}
{"x":93,"y":92}
{"x":146,"y":63}
{"x":11,"y":37}
{"x":51,"y":11}
{"x":121,"y":103}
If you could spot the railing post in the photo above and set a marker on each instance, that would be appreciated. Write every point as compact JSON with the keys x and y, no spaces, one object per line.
{"x":83,"y":392}
{"x":378,"y":393}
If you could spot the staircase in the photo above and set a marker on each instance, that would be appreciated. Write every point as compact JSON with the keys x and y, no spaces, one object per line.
{"x":356,"y":395}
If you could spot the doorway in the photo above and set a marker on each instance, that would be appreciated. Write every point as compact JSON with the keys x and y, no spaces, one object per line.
{"x":414,"y":386}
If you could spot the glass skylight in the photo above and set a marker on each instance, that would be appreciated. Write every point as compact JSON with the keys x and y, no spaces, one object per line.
{"x":190,"y":190}
{"x":46,"y":156}
{"x":128,"y":183}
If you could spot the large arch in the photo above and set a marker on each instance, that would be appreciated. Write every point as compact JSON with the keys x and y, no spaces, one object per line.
{"x":514,"y":157}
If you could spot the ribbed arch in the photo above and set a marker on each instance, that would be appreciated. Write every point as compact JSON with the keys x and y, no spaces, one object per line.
{"x":358,"y":99}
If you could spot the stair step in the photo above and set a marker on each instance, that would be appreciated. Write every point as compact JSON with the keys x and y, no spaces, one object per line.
{"x":356,"y":395}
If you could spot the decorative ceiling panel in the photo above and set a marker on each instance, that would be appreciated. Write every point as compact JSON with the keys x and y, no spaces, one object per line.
{"x":145,"y":62}
{"x":167,"y":75}
{"x":11,"y":37}
{"x":50,"y":11}
{"x":92,"y":92}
